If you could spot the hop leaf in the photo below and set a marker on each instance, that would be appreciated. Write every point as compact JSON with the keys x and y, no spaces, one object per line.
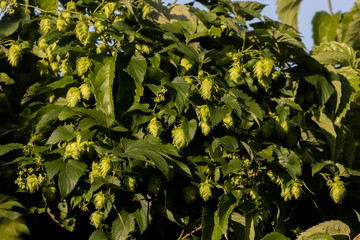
{"x":83,"y":65}
{"x":82,"y":31}
{"x":154,"y":184}
{"x":268,"y":129}
{"x":189,"y":194}
{"x":85,"y":91}
{"x":73,"y":96}
{"x":178,"y":136}
{"x":14,"y":54}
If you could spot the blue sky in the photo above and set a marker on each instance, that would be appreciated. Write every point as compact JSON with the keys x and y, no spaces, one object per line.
{"x":307,"y":11}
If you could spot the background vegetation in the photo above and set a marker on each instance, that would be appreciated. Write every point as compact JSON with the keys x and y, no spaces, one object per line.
{"x":134,"y":120}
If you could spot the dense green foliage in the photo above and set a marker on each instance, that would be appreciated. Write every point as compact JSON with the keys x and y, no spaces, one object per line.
{"x":134,"y":120}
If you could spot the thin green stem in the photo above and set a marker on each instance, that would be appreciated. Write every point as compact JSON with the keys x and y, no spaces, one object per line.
{"x":330,"y":8}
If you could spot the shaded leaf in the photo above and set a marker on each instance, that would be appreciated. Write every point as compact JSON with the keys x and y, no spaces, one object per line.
{"x":182,"y":88}
{"x":98,"y":235}
{"x":69,"y":176}
{"x":9,"y":147}
{"x":137,"y":70}
{"x":63,"y":133}
{"x":323,"y":88}
{"x":288,"y":11}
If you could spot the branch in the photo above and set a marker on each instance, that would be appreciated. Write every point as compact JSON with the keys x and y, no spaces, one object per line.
{"x":193,"y":231}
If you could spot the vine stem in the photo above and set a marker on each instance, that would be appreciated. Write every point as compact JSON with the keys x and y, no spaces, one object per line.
{"x":330,"y":8}
{"x":193,"y":231}
{"x":51,"y":11}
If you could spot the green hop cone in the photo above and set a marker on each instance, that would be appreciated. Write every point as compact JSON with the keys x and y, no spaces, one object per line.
{"x":66,"y":67}
{"x":102,"y":48}
{"x":73,"y":96}
{"x":234,"y":74}
{"x":100,"y":26}
{"x":14,"y":54}
{"x":54,"y":67}
{"x":95,"y":171}
{"x":186,"y":63}
{"x":42,"y":43}
{"x":85,"y":91}
{"x":96,"y":218}
{"x":83,"y":65}
{"x":296,"y":190}
{"x":32,"y":183}
{"x":178,"y":136}
{"x":71,"y":6}
{"x":72,"y":150}
{"x":61,"y":24}
{"x":154,"y":127}
{"x":50,"y":193}
{"x":130,"y":183}
{"x":337,"y":191}
{"x":286,"y":192}
{"x":228,"y":121}
{"x":205,"y":190}
{"x":206,"y":88}
{"x":82,"y":31}
{"x":99,"y":200}
{"x":205,"y":128}
{"x":109,"y":9}
{"x":105,"y":165}
{"x":45,"y":25}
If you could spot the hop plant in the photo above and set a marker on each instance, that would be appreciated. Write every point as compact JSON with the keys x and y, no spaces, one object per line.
{"x":96,"y":218}
{"x":85,"y":91}
{"x":186,"y":63}
{"x":50,"y":193}
{"x":154,"y":127}
{"x":286,"y":191}
{"x":130,"y":183}
{"x":95,"y":171}
{"x":337,"y":189}
{"x":206,"y":88}
{"x":14,"y":54}
{"x":109,"y":9}
{"x":205,"y":128}
{"x":66,"y":67}
{"x":205,"y":190}
{"x":54,"y":67}
{"x":83,"y":65}
{"x":82,"y":30}
{"x":99,"y":200}
{"x":45,"y":25}
{"x":72,"y":150}
{"x":178,"y":136}
{"x":263,"y":67}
